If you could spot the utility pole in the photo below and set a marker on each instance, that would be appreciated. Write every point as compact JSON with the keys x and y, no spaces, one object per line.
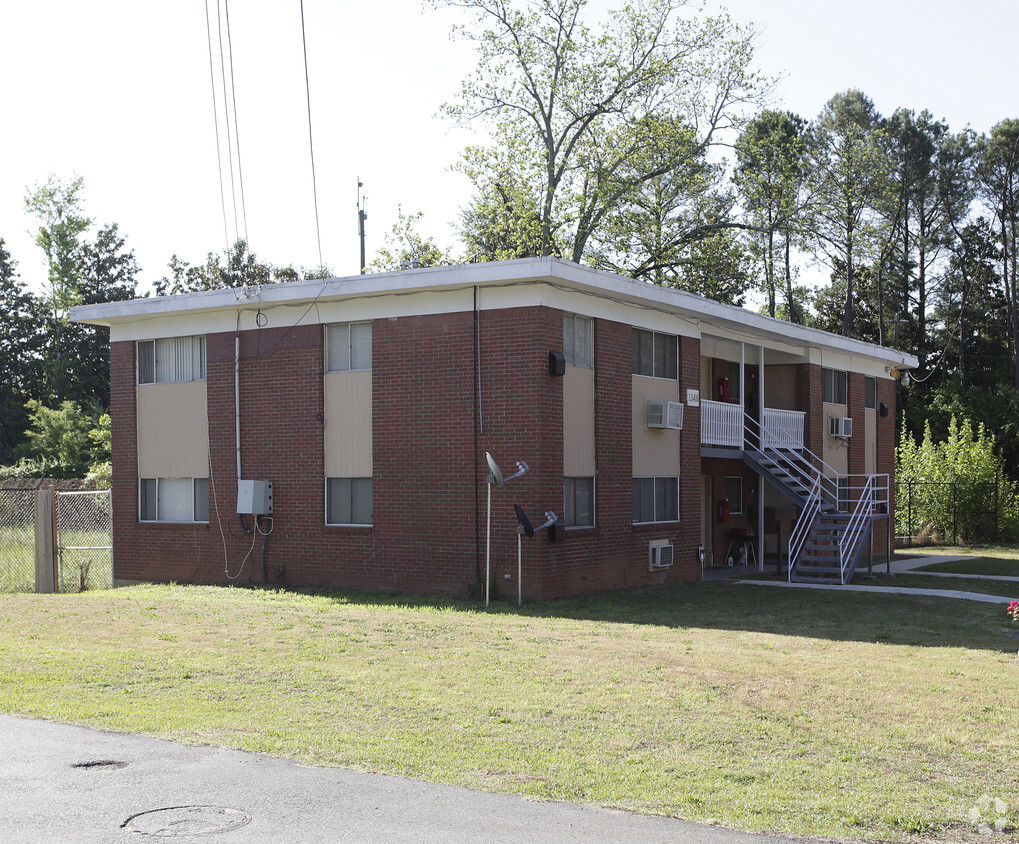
{"x":361,"y":217}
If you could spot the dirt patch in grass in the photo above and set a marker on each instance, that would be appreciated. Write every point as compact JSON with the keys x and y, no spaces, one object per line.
{"x":817,"y":713}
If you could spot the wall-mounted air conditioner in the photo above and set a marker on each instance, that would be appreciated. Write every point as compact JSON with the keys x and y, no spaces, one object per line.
{"x":840,"y":426}
{"x":665,"y":414}
{"x":660,"y":555}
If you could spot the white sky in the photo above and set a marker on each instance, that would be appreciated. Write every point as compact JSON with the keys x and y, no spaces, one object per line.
{"x":118,"y":91}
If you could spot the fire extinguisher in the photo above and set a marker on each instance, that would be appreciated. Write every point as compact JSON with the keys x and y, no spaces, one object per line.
{"x":723,"y":388}
{"x":723,"y":509}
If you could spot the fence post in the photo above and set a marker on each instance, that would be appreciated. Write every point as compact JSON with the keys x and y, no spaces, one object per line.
{"x":955,"y":501}
{"x":909,"y":510}
{"x":997,"y":481}
{"x":45,"y":541}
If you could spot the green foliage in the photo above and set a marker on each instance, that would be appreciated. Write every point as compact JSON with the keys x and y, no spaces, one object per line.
{"x":404,"y":246}
{"x":236,"y":268}
{"x":22,"y":341}
{"x":582,"y":117}
{"x":959,"y":485}
{"x":65,"y":440}
{"x":848,"y":179}
{"x":770,"y":171}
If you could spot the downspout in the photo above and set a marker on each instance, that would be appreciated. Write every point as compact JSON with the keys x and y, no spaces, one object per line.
{"x":237,"y":413}
{"x":237,"y":393}
{"x":477,"y":423}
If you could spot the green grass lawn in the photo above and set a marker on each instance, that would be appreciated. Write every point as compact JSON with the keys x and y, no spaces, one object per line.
{"x":817,"y":713}
{"x":998,"y":566}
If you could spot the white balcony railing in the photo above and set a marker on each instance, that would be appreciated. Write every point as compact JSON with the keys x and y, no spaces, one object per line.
{"x":721,"y":423}
{"x":782,"y":428}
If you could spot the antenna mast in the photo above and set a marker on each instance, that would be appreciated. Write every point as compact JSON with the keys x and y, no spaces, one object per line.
{"x":361,"y":217}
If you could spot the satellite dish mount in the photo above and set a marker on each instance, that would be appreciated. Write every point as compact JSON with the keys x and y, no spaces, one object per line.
{"x":495,"y":479}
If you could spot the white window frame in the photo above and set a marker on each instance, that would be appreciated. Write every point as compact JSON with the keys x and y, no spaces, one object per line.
{"x":831,"y":382}
{"x":666,"y":479}
{"x":328,"y":501}
{"x":170,"y":360}
{"x":199,"y":487}
{"x":578,"y":336}
{"x":570,"y":501}
{"x":639,"y":365}
{"x":341,"y":335}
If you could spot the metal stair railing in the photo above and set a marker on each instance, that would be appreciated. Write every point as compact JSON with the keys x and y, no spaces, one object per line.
{"x":861,"y":520}
{"x":854,"y":531}
{"x":794,"y":457}
{"x":804,"y":525}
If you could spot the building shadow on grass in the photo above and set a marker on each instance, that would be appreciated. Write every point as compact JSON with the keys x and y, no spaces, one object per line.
{"x":889,"y":618}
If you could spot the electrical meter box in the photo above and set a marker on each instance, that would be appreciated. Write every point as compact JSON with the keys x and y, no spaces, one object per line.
{"x":254,"y":498}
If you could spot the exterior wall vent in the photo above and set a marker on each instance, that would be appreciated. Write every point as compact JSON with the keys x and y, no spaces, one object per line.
{"x":840,"y":426}
{"x":665,"y":414}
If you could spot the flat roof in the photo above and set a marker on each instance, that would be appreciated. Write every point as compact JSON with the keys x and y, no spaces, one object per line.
{"x":554,"y":271}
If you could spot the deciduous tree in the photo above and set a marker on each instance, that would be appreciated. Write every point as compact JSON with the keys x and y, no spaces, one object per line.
{"x":582,"y":117}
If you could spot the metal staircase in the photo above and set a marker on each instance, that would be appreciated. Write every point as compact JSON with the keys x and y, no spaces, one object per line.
{"x":828,"y":541}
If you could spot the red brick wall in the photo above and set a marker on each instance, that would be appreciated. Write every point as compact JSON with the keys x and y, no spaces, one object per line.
{"x":808,"y":399}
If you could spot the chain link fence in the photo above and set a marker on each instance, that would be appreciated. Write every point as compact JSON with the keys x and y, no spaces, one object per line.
{"x":84,"y":545}
{"x":17,"y":540}
{"x":947,"y":512}
{"x":82,"y":551}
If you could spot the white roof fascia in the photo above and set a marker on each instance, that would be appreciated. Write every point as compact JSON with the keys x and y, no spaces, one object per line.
{"x":702,"y":312}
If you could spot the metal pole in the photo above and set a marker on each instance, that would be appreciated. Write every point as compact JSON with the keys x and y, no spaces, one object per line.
{"x":520,"y":588}
{"x":909,"y":510}
{"x":488,"y":546}
{"x":57,"y":585}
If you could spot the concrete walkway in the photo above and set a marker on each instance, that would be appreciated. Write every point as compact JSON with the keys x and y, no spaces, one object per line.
{"x":904,"y":567}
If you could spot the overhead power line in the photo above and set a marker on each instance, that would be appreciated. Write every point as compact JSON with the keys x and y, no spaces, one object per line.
{"x":311,"y":145}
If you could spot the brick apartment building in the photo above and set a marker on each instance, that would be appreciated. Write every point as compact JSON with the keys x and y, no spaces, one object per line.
{"x":667,"y":431}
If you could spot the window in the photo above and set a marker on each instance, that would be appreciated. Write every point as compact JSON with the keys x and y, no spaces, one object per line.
{"x":833,"y":386}
{"x":870,"y":392}
{"x":173,"y":500}
{"x":734,"y":492}
{"x":578,"y":341}
{"x":348,"y":501}
{"x":578,"y":502}
{"x":655,"y":355}
{"x":349,"y":347}
{"x":655,"y":500}
{"x":171,"y":359}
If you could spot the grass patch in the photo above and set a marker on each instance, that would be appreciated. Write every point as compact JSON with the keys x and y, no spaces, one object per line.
{"x":908,"y":580}
{"x":997,"y":566}
{"x":815,"y":713}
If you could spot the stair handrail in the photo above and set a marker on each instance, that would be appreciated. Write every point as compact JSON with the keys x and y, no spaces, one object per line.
{"x":808,"y":459}
{"x":855,"y":527}
{"x":804,"y":525}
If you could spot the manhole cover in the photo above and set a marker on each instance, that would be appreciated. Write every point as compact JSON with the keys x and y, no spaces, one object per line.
{"x":178,"y":821}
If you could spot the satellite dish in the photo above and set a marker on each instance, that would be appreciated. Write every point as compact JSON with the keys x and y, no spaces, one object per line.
{"x":525,"y":523}
{"x":495,"y":473}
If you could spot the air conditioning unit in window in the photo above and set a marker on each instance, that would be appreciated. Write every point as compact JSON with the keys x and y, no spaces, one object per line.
{"x":840,"y":426}
{"x":661,"y":556}
{"x":665,"y":414}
